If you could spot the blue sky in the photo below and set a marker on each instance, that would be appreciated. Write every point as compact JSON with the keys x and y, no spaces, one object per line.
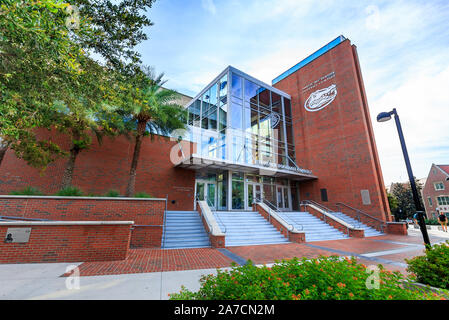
{"x":403,"y":48}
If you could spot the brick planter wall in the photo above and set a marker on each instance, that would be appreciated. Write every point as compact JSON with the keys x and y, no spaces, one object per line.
{"x":147,"y":214}
{"x":215,"y":241}
{"x":67,"y":242}
{"x":397,"y":228}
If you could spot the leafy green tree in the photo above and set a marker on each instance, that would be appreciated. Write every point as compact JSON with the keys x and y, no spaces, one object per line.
{"x":151,"y":110}
{"x":36,"y":56}
{"x":393,"y":202}
{"x":118,"y":27}
{"x":405,"y":204}
{"x":45,"y":56}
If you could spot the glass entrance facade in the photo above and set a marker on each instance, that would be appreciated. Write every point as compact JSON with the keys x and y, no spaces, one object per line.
{"x":244,"y":123}
{"x":240,"y":119}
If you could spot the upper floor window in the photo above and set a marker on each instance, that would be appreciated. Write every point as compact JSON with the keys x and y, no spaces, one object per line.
{"x":443,"y":200}
{"x":430,"y":201}
{"x":438,"y":186}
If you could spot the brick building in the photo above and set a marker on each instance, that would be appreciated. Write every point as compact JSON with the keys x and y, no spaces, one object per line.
{"x":436,"y":191}
{"x":307,"y":136}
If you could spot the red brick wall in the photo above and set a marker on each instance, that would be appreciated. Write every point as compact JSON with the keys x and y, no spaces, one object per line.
{"x":148,"y":215}
{"x":435,"y":175}
{"x":142,"y":212}
{"x":105,"y":167}
{"x":146,"y":237}
{"x":337,"y":142}
{"x":67,"y":243}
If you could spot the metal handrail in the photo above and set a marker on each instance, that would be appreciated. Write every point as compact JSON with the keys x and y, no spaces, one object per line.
{"x":165,"y":221}
{"x":360,"y":212}
{"x":328,"y":211}
{"x":209,"y":203}
{"x":273,"y":207}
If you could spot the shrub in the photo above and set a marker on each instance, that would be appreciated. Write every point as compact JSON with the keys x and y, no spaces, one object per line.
{"x":28,"y":191}
{"x":432,"y":222}
{"x":112,"y":193}
{"x":433,"y":267}
{"x":142,"y":195}
{"x":70,"y":192}
{"x":325,"y":278}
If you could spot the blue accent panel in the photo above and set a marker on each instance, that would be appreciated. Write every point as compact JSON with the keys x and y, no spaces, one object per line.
{"x":310,"y":58}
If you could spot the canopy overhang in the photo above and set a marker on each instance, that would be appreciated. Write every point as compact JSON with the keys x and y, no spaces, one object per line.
{"x":196,"y":162}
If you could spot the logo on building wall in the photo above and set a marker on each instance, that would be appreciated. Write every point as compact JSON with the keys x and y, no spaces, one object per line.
{"x":321,"y":98}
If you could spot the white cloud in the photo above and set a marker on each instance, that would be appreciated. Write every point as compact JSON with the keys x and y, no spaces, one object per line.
{"x":209,"y":6}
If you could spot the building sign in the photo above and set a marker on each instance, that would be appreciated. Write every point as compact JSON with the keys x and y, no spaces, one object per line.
{"x":319,"y":99}
{"x":282,"y":166}
{"x":17,"y":235}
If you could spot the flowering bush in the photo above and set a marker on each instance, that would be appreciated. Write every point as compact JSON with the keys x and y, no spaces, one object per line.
{"x":433,"y":267}
{"x":325,"y":278}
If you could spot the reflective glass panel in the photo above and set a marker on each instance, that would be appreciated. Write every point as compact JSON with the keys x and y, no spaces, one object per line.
{"x":251,"y":90}
{"x":236,"y":90}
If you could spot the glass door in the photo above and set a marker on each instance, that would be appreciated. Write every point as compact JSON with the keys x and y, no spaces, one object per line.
{"x":282,"y":198}
{"x":253,"y":194}
{"x":206,"y":191}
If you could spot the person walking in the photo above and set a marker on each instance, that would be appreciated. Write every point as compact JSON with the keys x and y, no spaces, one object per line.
{"x":442,"y":219}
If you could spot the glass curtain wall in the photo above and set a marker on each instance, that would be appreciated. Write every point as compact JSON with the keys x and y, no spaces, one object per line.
{"x":254,"y":127}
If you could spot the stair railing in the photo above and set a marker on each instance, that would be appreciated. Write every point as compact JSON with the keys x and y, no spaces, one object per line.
{"x":164,"y":230}
{"x":325,"y":211}
{"x":358,"y":213}
{"x":214,"y":212}
{"x":276,"y":210}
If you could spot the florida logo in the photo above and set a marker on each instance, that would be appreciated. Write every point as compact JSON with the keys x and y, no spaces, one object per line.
{"x":321,"y":98}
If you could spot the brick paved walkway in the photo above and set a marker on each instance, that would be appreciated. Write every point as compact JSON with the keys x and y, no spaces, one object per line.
{"x":389,"y":250}
{"x":157,"y":260}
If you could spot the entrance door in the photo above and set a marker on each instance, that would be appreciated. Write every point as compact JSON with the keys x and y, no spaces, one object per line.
{"x":282,"y":198}
{"x":206,"y":191}
{"x":254,"y":193}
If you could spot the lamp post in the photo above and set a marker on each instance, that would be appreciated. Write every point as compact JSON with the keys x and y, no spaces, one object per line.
{"x":383,"y":117}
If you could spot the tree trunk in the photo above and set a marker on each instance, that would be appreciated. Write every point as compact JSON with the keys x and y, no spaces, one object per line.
{"x":3,"y":149}
{"x":70,"y":167}
{"x":130,"y":189}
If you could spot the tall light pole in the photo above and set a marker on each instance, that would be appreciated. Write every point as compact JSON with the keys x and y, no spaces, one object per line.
{"x":385,"y":116}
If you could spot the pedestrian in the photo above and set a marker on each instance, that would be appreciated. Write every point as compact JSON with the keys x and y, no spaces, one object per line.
{"x":442,"y":219}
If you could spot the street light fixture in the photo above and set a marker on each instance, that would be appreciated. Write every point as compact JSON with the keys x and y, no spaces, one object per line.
{"x":383,"y":117}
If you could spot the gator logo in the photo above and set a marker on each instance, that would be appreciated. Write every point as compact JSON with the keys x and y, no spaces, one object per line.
{"x":321,"y":98}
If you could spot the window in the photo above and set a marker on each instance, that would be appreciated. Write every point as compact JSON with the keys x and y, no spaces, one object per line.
{"x":443,"y":200}
{"x":236,"y":88}
{"x":429,"y":199}
{"x":438,"y":186}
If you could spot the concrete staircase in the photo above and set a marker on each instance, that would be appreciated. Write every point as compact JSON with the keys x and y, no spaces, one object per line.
{"x":184,"y":229}
{"x":369,"y":231}
{"x":315,"y":229}
{"x":245,"y":228}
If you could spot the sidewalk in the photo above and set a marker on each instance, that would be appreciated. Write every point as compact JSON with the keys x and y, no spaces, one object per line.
{"x":154,"y":273}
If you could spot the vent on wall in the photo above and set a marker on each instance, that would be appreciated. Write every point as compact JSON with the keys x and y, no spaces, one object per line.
{"x":323,"y":195}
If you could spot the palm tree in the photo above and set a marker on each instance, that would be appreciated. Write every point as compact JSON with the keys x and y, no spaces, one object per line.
{"x":155,"y":113}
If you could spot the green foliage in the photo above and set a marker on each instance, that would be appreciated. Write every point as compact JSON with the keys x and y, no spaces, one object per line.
{"x":112,"y":193}
{"x":70,"y":192}
{"x":36,"y":58}
{"x":142,"y":195}
{"x":403,"y":203}
{"x":433,"y":267}
{"x":432,"y":222}
{"x":27,"y":191}
{"x":325,"y":278}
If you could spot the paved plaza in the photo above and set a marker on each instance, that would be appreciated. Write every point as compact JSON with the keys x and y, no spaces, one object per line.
{"x":154,"y":273}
